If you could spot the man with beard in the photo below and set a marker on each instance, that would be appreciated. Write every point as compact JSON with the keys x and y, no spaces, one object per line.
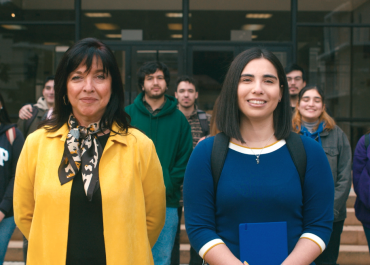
{"x":296,"y":78}
{"x":156,"y":114}
{"x":186,"y":94}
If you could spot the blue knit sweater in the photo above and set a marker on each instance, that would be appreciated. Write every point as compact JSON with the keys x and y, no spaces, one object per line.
{"x":250,"y":193}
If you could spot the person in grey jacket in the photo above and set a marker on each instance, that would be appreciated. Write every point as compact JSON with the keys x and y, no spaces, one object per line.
{"x":311,"y":120}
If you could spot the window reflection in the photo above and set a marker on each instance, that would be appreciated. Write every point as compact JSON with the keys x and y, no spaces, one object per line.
{"x":335,"y":11}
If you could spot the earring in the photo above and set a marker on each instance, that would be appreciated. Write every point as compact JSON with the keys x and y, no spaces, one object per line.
{"x":64,"y":99}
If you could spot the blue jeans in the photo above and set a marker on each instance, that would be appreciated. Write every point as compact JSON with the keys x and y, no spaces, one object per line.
{"x":367,"y":234}
{"x":163,"y":247}
{"x":7,"y":227}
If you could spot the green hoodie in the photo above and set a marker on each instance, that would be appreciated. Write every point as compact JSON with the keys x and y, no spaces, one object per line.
{"x":171,"y":134}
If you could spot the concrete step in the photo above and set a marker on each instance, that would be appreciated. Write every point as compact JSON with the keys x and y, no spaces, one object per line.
{"x":184,"y":253}
{"x":353,"y":254}
{"x":184,"y":239}
{"x":15,"y":251}
{"x":351,"y":218}
{"x":17,"y":235}
{"x":351,"y":199}
{"x":353,"y":235}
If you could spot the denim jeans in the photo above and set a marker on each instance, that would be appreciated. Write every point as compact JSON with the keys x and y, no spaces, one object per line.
{"x":163,"y":247}
{"x":7,"y":227}
{"x":330,"y":254}
{"x":367,"y":234}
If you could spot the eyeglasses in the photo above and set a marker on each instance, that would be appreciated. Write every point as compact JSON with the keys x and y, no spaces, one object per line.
{"x":297,"y":78}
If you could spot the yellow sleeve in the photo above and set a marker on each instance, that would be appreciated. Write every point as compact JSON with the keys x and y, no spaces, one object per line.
{"x":154,"y":192}
{"x":23,"y":198}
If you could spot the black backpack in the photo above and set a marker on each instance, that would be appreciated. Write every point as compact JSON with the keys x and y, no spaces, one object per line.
{"x":221,"y":147}
{"x":203,"y":122}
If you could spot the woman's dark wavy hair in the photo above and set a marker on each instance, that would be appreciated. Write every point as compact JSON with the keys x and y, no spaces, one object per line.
{"x":83,"y":52}
{"x":4,"y":117}
{"x":228,"y":113}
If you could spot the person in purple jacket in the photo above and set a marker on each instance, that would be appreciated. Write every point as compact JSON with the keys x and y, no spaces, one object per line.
{"x":361,"y":184}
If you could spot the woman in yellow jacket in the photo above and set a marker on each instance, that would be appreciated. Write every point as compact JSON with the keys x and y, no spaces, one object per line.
{"x":89,"y":188}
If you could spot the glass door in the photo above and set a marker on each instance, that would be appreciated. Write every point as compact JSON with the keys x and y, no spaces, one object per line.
{"x":209,"y":65}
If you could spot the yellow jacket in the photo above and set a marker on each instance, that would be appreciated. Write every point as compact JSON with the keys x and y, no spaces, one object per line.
{"x":132,"y":190}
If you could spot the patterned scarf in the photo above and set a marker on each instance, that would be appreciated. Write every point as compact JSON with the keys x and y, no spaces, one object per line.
{"x":81,"y":148}
{"x":313,"y":135}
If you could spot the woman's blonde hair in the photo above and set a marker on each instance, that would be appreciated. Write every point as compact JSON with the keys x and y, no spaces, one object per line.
{"x":324,"y":117}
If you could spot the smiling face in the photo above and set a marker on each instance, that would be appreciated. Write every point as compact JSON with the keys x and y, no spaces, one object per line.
{"x":311,"y":106}
{"x":258,"y":90}
{"x":155,"y":85}
{"x":89,"y":92}
{"x":186,"y":94}
{"x":48,"y":92}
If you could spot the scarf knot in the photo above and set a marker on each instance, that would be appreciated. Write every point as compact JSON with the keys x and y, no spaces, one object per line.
{"x":82,"y":150}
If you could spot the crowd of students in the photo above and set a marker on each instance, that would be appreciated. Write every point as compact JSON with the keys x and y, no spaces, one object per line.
{"x":100,"y":183}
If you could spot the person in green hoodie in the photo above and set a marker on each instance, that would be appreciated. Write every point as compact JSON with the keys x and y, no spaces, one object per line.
{"x":156,"y":114}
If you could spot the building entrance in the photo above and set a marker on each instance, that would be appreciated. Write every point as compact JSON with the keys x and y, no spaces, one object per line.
{"x":206,"y":62}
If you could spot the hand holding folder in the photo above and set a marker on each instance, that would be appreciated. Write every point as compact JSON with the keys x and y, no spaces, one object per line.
{"x":263,"y":243}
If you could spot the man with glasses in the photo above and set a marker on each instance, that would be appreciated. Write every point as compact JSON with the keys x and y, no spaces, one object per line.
{"x":296,"y":81}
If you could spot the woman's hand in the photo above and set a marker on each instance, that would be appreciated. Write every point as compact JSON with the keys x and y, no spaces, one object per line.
{"x":221,"y":255}
{"x":2,"y":215}
{"x":304,"y":253}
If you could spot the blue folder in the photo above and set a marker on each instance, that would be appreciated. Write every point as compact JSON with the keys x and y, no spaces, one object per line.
{"x":263,"y":243}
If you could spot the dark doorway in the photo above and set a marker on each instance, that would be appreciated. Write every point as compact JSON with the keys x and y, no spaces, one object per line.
{"x":209,"y":70}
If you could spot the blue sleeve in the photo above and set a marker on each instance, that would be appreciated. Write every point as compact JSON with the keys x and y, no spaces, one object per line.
{"x":361,"y":173}
{"x":199,"y":204}
{"x":318,"y":192}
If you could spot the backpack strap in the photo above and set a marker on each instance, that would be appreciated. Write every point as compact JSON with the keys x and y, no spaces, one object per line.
{"x":11,"y":135}
{"x":27,"y":123}
{"x":298,"y":154}
{"x":203,"y":121}
{"x":218,"y":156}
{"x":367,"y":140}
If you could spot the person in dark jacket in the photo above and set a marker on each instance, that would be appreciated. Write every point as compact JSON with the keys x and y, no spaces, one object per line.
{"x":11,"y":142}
{"x":361,"y":184}
{"x":312,"y":120}
{"x":156,"y":114}
{"x":31,"y":116}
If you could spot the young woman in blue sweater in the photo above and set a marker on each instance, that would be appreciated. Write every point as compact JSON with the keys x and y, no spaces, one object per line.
{"x":259,"y":182}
